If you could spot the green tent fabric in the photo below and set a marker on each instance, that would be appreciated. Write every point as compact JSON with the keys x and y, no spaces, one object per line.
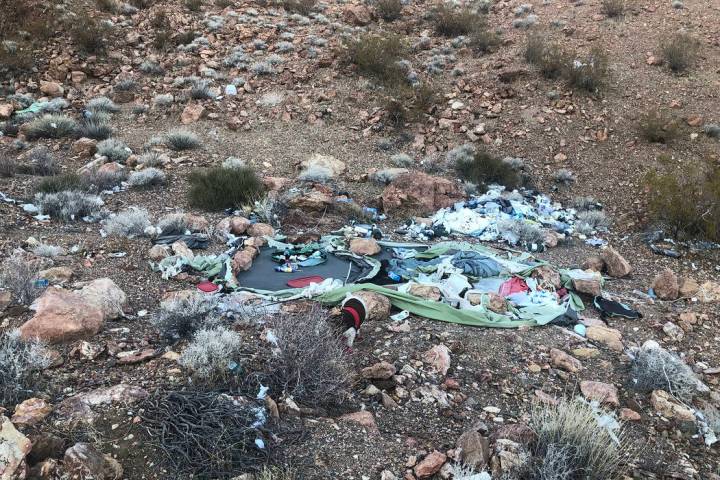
{"x":425,"y":308}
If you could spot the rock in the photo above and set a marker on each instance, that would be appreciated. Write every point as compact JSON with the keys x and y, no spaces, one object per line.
{"x":6,"y":110}
{"x":517,"y":432}
{"x":79,"y":407}
{"x":110,"y":168}
{"x":181,"y":249}
{"x":430,"y":465}
{"x":420,"y":191}
{"x":628,"y":415}
{"x":84,"y":147}
{"x":591,"y":284}
{"x":428,"y":292}
{"x":668,"y":407}
{"x":379,"y":371}
{"x":364,"y":246}
{"x":191,"y":113}
{"x":615,"y":264}
{"x":44,"y":446}
{"x":14,"y":447}
{"x":688,"y":287}
{"x":709,"y":292}
{"x":51,"y":89}
{"x":605,"y":335}
{"x":388,"y":401}
{"x":260,"y":230}
{"x":84,"y":461}
{"x":473,"y":450}
{"x":665,"y":285}
{"x":239,"y":225}
{"x":76,"y":76}
{"x":196,"y":223}
{"x":312,"y":201}
{"x":439,"y":358}
{"x":106,"y":295}
{"x":550,"y":239}
{"x":694,"y":120}
{"x":63,"y":316}
{"x":30,"y":412}
{"x":584,"y":352}
{"x":275,"y":184}
{"x":358,"y":15}
{"x":387,"y":175}
{"x":242,"y":260}
{"x":363,"y":418}
{"x":594,"y":263}
{"x":5,"y":299}
{"x":158,"y":252}
{"x":673,"y":331}
{"x":509,"y":456}
{"x":601,"y":392}
{"x":564,"y":361}
{"x":328,"y":163}
{"x":57,"y":275}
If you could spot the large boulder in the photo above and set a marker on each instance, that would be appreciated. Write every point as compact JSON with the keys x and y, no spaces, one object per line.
{"x":84,"y":461}
{"x":106,"y":295}
{"x":358,"y":15}
{"x":420,"y":191}
{"x":81,"y":406}
{"x":14,"y":447}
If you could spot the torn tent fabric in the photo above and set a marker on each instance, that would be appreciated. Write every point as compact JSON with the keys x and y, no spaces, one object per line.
{"x":610,"y":308}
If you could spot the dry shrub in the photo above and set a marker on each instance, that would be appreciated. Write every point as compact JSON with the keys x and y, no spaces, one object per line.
{"x":389,"y":10}
{"x":220,"y":188}
{"x":587,"y":73}
{"x":377,"y":56}
{"x":483,"y":168}
{"x":193,"y":5}
{"x":88,"y":33}
{"x":19,"y":277}
{"x":303,"y":7}
{"x":548,"y":56}
{"x":613,"y":8}
{"x":679,"y":51}
{"x":654,"y":368}
{"x":310,"y":364}
{"x":409,"y":104}
{"x":572,"y":444}
{"x":212,"y":355}
{"x":452,"y":22}
{"x":20,"y":365}
{"x":182,"y":317}
{"x":657,"y":126}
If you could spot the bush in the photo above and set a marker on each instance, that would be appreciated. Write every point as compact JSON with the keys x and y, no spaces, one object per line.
{"x":194,"y":5}
{"x":654,"y":368}
{"x":8,"y":167}
{"x":564,"y":177}
{"x":548,"y":56}
{"x":587,"y":73}
{"x":88,"y":33}
{"x":451,"y":22}
{"x":99,"y":180}
{"x":571,"y":443}
{"x":131,"y":222}
{"x":148,"y":177}
{"x":49,"y":251}
{"x":376,"y":56}
{"x":182,"y":140}
{"x":590,"y":221}
{"x":212,"y":355}
{"x":114,"y":149}
{"x":309,"y":364}
{"x":150,"y":67}
{"x":679,"y":51}
{"x":521,"y":232}
{"x":95,"y":127}
{"x":613,"y":8}
{"x":20,"y":365}
{"x":482,"y":169}
{"x":182,"y":317}
{"x":200,"y":90}
{"x":173,"y":224}
{"x":657,"y":126}
{"x":68,"y":205}
{"x":51,"y":126}
{"x":389,"y":10}
{"x":60,"y":183}
{"x":109,"y":6}
{"x":221,"y":188}
{"x":18,"y":276}
{"x":303,"y":7}
{"x":102,"y":104}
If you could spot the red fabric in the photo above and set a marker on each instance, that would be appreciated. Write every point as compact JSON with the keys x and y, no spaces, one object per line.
{"x":303,"y":282}
{"x":514,"y":285}
{"x":355,"y":316}
{"x":207,"y":287}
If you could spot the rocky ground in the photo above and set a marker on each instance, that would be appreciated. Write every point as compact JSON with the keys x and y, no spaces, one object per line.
{"x":424,"y":395}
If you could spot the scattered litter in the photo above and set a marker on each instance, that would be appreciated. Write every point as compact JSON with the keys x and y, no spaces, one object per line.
{"x":611,"y":308}
{"x":194,"y":241}
{"x":400,"y":316}
{"x":668,"y":252}
{"x":207,"y":287}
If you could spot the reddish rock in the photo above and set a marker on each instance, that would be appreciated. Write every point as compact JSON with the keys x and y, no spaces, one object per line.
{"x":602,"y":392}
{"x":31,"y":412}
{"x":428,"y":292}
{"x":158,"y":252}
{"x":594,"y":263}
{"x":605,"y":335}
{"x":688,"y":287}
{"x":420,"y":191}
{"x":312,"y":201}
{"x":665,"y":285}
{"x":430,"y":465}
{"x":564,"y":361}
{"x":628,"y":415}
{"x":84,"y":147}
{"x":51,"y":89}
{"x":110,"y":168}
{"x":82,"y":460}
{"x":14,"y":447}
{"x":80,"y":406}
{"x":363,"y":418}
{"x":379,"y":371}
{"x":239,"y":225}
{"x":196,"y":223}
{"x":192,"y":113}
{"x":57,"y":275}
{"x":260,"y":230}
{"x":668,"y":407}
{"x":6,"y":110}
{"x":439,"y":358}
{"x":517,"y":432}
{"x":275,"y":183}
{"x":615,"y":263}
{"x":364,"y":246}
{"x":358,"y":15}
{"x":242,"y":260}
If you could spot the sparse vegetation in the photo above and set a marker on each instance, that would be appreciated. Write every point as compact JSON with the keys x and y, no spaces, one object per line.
{"x":549,"y":57}
{"x":452,"y":22}
{"x":212,"y":355}
{"x":389,"y":10}
{"x":19,"y":276}
{"x":303,"y":7}
{"x":193,"y":5}
{"x":310,"y":363}
{"x":95,"y":127}
{"x":115,"y":150}
{"x":131,"y":222}
{"x":102,"y":104}
{"x":657,"y":126}
{"x":654,"y":368}
{"x":182,"y":317}
{"x":587,"y":73}
{"x":482,"y":168}
{"x":51,"y":126}
{"x":590,"y":221}
{"x":679,"y":51}
{"x":377,"y":56}
{"x":69,"y":205}
{"x":220,"y":188}
{"x":21,"y":364}
{"x":147,"y":177}
{"x":60,"y":183}
{"x":521,"y":232}
{"x":182,"y":140}
{"x":613,"y":8}
{"x":88,"y":33}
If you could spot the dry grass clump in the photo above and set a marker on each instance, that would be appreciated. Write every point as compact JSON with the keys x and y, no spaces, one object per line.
{"x":220,"y":188}
{"x":131,"y":222}
{"x":212,"y":355}
{"x":613,"y":8}
{"x":571,"y":443}
{"x":182,"y":317}
{"x":655,"y":368}
{"x":68,"y":205}
{"x":19,"y":277}
{"x":310,"y":363}
{"x":657,"y":126}
{"x":21,"y":362}
{"x":51,"y":126}
{"x":679,"y":51}
{"x":389,"y":10}
{"x":377,"y":56}
{"x":483,"y":168}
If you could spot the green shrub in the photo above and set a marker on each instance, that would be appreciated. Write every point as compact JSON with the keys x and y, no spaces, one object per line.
{"x":588,"y":73}
{"x":219,"y":188}
{"x":657,"y":126}
{"x":377,"y":56}
{"x":389,"y":10}
{"x":88,"y":33}
{"x":482,"y":168}
{"x":452,"y":22}
{"x":303,"y":7}
{"x":679,"y":51}
{"x":60,"y":183}
{"x":613,"y":8}
{"x":182,"y":140}
{"x":51,"y":126}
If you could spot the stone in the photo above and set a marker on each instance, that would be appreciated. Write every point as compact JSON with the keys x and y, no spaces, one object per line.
{"x":358,"y":15}
{"x":420,"y":191}
{"x":615,"y":263}
{"x":76,"y":76}
{"x":594,"y":263}
{"x":439,"y":358}
{"x":57,"y":275}
{"x":14,"y":447}
{"x":604,"y":393}
{"x":428,"y":292}
{"x":243,"y":259}
{"x":551,"y":239}
{"x":45,"y":445}
{"x":584,"y":352}
{"x":608,"y":336}
{"x":591,"y":284}
{"x":106,"y":295}
{"x":158,"y":252}
{"x":181,"y":249}
{"x":665,"y":285}
{"x":379,"y":371}
{"x":517,"y":432}
{"x":110,"y":168}
{"x":80,"y":407}
{"x":388,"y":401}
{"x":63,"y":316}
{"x":688,"y":287}
{"x":363,"y":418}
{"x":196,"y":223}
{"x":239,"y":225}
{"x":260,"y":230}
{"x":51,"y":89}
{"x":5,"y":299}
{"x":84,"y":461}
{"x":562,"y":360}
{"x":329,"y":163}
{"x":509,"y":456}
{"x":709,"y":292}
{"x":6,"y":110}
{"x":84,"y":147}
{"x":668,"y":407}
{"x":312,"y":201}
{"x":628,"y":415}
{"x":430,"y":465}
{"x":275,"y":184}
{"x":473,"y":450}
{"x":673,"y":331}
{"x":31,"y":412}
{"x":192,"y":113}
